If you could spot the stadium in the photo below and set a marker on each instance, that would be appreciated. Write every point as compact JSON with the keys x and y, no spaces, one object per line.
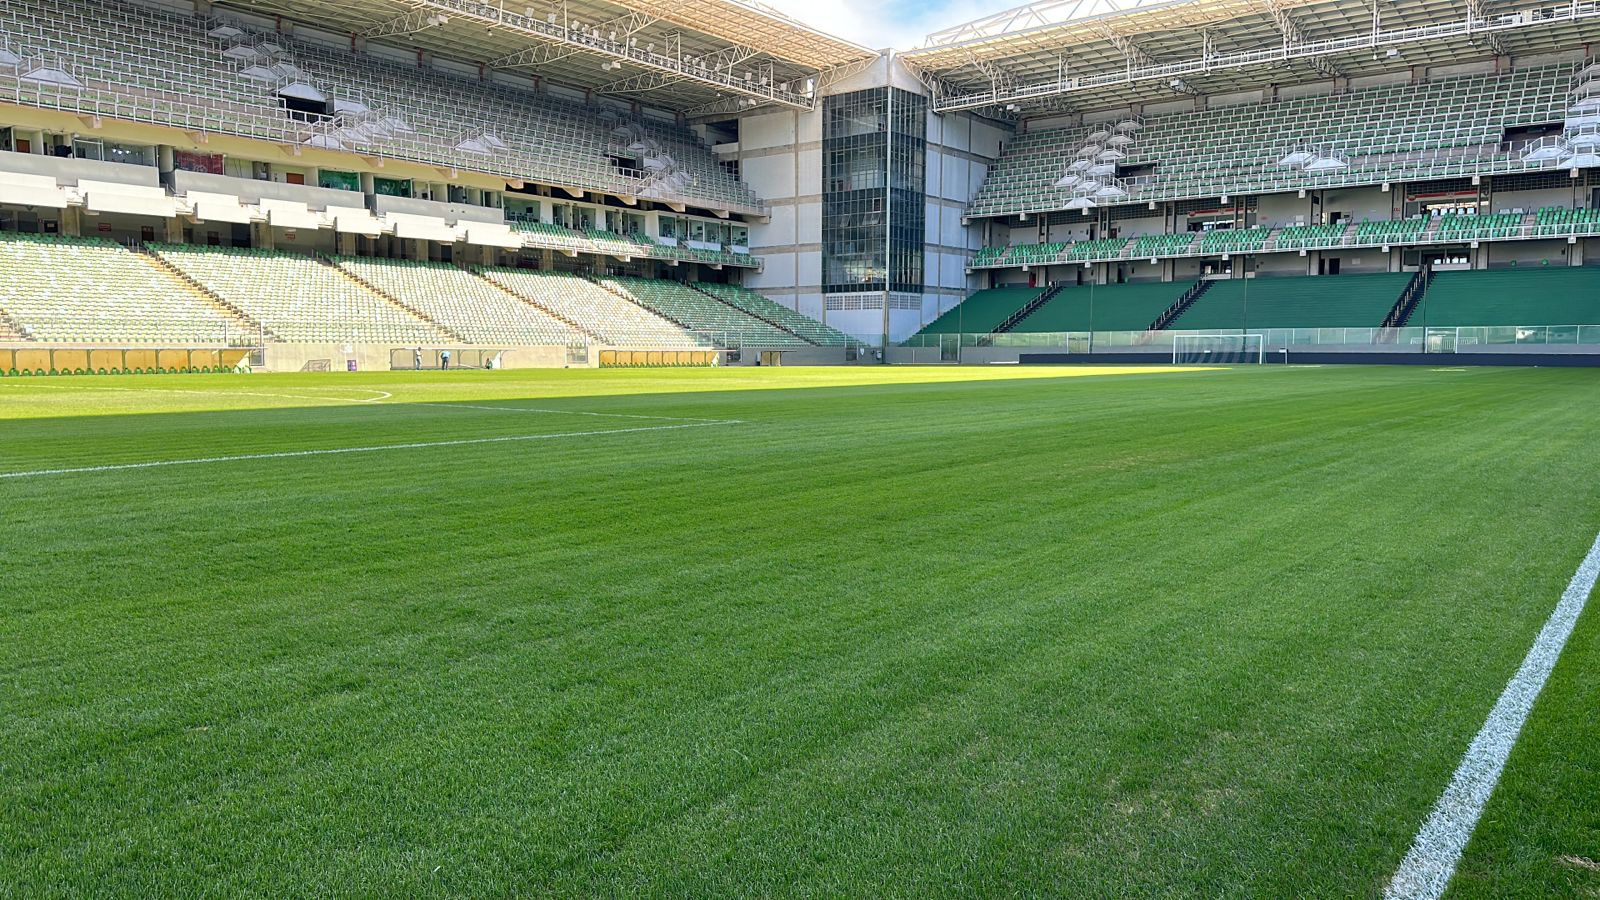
{"x":620,"y":447}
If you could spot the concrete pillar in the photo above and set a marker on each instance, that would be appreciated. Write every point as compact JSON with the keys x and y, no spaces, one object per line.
{"x":72,"y":221}
{"x":261,"y":236}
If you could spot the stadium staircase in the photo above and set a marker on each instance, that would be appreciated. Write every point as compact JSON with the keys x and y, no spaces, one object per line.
{"x":1017,"y":317}
{"x":1184,"y":301}
{"x":1407,"y":304}
{"x":391,"y":299}
{"x":755,"y":314}
{"x":246,"y":324}
{"x":556,"y":314}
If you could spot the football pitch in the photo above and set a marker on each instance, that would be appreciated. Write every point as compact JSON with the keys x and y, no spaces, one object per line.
{"x":808,"y":632}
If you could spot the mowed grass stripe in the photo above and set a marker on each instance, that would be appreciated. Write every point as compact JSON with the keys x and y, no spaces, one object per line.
{"x":1192,"y":625}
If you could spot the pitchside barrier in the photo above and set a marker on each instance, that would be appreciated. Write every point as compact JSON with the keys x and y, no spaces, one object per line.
{"x":141,"y":361}
{"x":1420,"y":339}
{"x":658,"y":358}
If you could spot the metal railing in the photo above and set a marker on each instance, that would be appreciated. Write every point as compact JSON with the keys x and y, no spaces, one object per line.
{"x":1428,"y":339}
{"x":1352,"y":240}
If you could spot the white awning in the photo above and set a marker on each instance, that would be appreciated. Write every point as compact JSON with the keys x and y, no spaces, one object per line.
{"x":422,"y":228}
{"x":131,"y":199}
{"x":290,"y":214}
{"x":31,"y":190}
{"x":219,"y":208}
{"x":490,"y":234}
{"x":355,"y":220}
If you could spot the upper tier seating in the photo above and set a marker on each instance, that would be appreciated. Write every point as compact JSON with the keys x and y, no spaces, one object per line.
{"x":1396,"y":231}
{"x":761,"y":307}
{"x":1152,"y":245}
{"x":1557,"y":220}
{"x":1517,"y":296}
{"x":1482,"y":227}
{"x":1234,"y":240}
{"x":1299,"y":237}
{"x":298,"y":298}
{"x":86,"y":289}
{"x":1330,"y":301}
{"x":1405,"y":132}
{"x":1101,"y":248}
{"x":476,"y":309}
{"x":1104,"y":307}
{"x":147,"y":65}
{"x":983,"y":311}
{"x":614,"y":320}
{"x":699,"y":312}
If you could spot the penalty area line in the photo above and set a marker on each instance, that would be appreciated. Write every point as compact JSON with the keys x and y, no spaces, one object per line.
{"x":336,"y":451}
{"x":1427,"y":868}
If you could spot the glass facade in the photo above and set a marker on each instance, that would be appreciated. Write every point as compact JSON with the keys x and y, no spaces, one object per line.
{"x":874,"y":152}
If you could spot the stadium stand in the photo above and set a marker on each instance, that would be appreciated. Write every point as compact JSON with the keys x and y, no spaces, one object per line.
{"x":1105,"y":307}
{"x":1233,"y":240}
{"x":1560,"y":221}
{"x":170,"y":69}
{"x":298,"y":298}
{"x":478,"y":310}
{"x":1301,"y":237}
{"x":1390,"y":232}
{"x":1330,"y":301}
{"x":47,"y":283}
{"x":982,"y":312}
{"x":1153,"y":245}
{"x":778,"y":314}
{"x":614,"y":320}
{"x":1512,"y":296}
{"x":1435,"y":129}
{"x":700,"y":312}
{"x":1475,"y":228}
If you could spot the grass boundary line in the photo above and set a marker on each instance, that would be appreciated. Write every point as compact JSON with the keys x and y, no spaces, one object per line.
{"x":1431,"y":862}
{"x":567,"y":412}
{"x":335,"y":451}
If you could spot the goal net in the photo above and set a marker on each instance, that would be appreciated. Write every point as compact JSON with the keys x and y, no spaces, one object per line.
{"x":1218,"y":349}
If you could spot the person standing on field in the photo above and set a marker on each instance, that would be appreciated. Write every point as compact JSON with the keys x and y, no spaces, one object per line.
{"x":444,"y":359}
{"x":416,"y":358}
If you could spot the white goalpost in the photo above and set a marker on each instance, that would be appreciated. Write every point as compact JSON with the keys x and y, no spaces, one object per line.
{"x":1218,"y":349}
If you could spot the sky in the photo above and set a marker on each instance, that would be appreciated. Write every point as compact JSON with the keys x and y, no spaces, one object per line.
{"x":882,"y":24}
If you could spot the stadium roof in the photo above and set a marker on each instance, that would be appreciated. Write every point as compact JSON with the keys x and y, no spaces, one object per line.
{"x":695,"y":56}
{"x":1077,"y":54}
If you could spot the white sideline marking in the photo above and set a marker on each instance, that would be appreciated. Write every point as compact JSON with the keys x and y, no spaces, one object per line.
{"x":292,"y":454}
{"x":1426,"y":870}
{"x":382,"y":395}
{"x":575,"y":412}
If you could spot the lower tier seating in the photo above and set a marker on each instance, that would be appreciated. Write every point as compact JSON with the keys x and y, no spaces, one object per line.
{"x":1515,"y":296}
{"x":983,"y":311}
{"x":1104,"y":307}
{"x":702,"y":313}
{"x":298,"y":298}
{"x":1330,"y":301}
{"x":61,"y":289}
{"x":611,"y":318}
{"x":478,"y":310}
{"x":757,"y":305}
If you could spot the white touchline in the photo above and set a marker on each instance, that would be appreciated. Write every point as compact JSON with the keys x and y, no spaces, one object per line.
{"x":1426,"y":870}
{"x":332,"y":451}
{"x":569,"y":412}
{"x":381,"y":395}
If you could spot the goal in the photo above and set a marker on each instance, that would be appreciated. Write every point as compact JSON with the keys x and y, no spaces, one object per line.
{"x":1220,"y":349}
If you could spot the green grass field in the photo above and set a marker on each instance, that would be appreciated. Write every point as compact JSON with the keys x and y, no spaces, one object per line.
{"x":865,"y":632}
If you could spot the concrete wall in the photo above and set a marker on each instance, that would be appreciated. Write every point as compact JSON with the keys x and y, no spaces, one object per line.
{"x":376,"y":357}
